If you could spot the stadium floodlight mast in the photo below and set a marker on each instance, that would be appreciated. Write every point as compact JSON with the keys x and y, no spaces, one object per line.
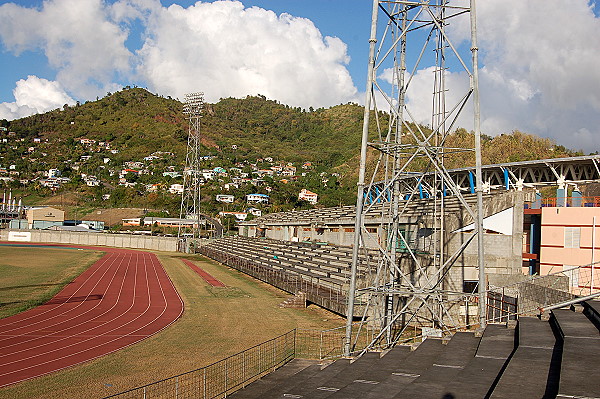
{"x":407,"y":286}
{"x":192,"y":178}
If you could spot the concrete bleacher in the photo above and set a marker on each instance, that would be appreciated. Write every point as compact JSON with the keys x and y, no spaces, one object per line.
{"x":321,"y":269}
{"x":287,"y":256}
{"x":414,"y":207}
{"x":540,"y":358}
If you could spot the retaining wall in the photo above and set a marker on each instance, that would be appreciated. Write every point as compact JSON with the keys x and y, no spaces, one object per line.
{"x":83,"y":238}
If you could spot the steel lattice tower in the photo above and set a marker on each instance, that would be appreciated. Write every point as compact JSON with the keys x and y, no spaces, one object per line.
{"x":412,"y":289}
{"x":192,"y":177}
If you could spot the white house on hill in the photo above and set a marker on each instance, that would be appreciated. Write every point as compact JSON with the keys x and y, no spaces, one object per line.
{"x":308,"y":196}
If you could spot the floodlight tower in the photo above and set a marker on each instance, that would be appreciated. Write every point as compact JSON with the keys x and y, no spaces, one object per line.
{"x":409,"y":285}
{"x":190,"y":198}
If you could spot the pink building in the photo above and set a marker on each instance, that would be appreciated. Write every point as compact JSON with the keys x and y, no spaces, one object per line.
{"x":559,"y":238}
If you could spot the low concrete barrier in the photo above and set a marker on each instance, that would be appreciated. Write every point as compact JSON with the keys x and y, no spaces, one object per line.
{"x":100,"y":239}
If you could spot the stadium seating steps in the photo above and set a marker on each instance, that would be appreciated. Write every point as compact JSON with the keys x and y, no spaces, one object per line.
{"x":329,"y":263}
{"x":540,"y":358}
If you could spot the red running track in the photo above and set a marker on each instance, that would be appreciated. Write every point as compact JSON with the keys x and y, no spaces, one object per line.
{"x":207,"y":277}
{"x":123,"y":298}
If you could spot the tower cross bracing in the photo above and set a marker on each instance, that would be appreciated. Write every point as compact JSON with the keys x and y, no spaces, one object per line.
{"x":408,"y":287}
{"x":192,"y":176}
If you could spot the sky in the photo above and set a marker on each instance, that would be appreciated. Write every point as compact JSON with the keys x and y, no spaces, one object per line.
{"x":539,"y":59}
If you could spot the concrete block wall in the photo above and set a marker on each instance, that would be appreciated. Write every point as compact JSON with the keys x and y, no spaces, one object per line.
{"x":99,"y":239}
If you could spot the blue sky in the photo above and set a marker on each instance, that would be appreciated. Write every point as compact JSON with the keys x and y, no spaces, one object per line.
{"x":539,"y":58}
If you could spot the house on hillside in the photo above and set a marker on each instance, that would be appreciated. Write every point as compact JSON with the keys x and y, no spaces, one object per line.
{"x":308,"y":196}
{"x":88,"y":142}
{"x":257,"y":198}
{"x":225,"y":198}
{"x":171,"y":222}
{"x":289,"y":171}
{"x":236,"y":215}
{"x":176,"y":188}
{"x":91,"y":181}
{"x":255,"y":211}
{"x":172,"y":174}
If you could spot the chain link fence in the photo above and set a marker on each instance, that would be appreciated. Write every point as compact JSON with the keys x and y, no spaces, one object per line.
{"x":321,"y":291}
{"x":223,"y":377}
{"x":329,"y":344}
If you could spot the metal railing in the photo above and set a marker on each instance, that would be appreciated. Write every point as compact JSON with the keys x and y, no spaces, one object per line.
{"x":329,"y":344}
{"x":538,"y":292}
{"x":564,"y":202}
{"x":223,"y":377}
{"x":226,"y":376}
{"x":325,"y":293}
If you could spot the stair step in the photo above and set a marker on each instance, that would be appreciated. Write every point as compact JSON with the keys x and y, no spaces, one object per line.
{"x":535,"y":333}
{"x":595,"y":304}
{"x":302,"y":387}
{"x":581,"y":351}
{"x":476,"y":379}
{"x":274,"y":390}
{"x":497,"y":342}
{"x":432,"y":382}
{"x":574,"y":324}
{"x":328,"y":388}
{"x":518,"y":380}
{"x":542,"y":355}
{"x":296,"y":368}
{"x":479,"y":376}
{"x":393,"y":381}
{"x":580,"y":358}
{"x":592,"y":310}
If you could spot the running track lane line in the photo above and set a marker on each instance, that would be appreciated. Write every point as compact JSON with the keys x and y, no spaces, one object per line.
{"x":122,"y":299}
{"x":207,"y":277}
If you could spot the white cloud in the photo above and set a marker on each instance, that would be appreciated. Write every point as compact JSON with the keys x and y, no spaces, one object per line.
{"x":224,"y":49}
{"x":221,"y":48}
{"x":539,"y":58}
{"x":541,"y":70}
{"x":32,"y":96}
{"x":78,"y":38}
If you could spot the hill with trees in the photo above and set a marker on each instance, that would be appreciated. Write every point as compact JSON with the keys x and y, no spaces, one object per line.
{"x":103,"y":138}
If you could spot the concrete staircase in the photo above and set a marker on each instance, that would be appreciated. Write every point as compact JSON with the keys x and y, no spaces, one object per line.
{"x":554,"y":357}
{"x":297,"y":301}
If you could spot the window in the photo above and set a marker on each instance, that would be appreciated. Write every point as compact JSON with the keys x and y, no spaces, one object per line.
{"x":470,"y":286}
{"x":572,"y":274}
{"x":572,"y":237}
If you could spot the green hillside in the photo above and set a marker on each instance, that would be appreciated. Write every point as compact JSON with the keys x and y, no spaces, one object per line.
{"x":243,"y":133}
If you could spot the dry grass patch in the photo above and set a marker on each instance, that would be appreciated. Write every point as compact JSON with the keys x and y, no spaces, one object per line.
{"x":217,"y":322}
{"x":29,"y":276}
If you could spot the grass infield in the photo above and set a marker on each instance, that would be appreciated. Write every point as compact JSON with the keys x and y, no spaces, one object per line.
{"x":30,"y":276}
{"x":217,"y":322}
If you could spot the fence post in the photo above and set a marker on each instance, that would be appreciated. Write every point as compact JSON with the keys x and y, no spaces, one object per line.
{"x":295,"y":351}
{"x":204,"y":384}
{"x":144,"y":392}
{"x":321,"y":345}
{"x":244,"y":368}
{"x":273,"y":360}
{"x":176,"y":387}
